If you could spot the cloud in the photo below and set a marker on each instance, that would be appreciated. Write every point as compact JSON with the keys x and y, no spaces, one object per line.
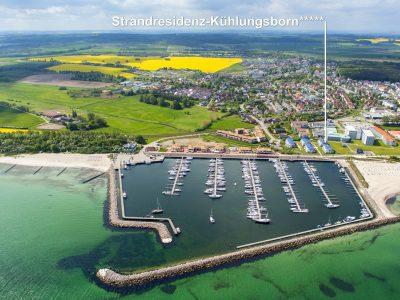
{"x":342,"y":15}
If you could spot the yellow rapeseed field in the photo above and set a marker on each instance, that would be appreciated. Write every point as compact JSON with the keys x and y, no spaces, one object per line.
{"x":10,"y":130}
{"x":148,"y":63}
{"x":204,"y":64}
{"x":88,"y":68}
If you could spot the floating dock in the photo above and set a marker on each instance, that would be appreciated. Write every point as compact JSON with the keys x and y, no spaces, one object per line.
{"x":281,"y":169}
{"x":328,"y":198}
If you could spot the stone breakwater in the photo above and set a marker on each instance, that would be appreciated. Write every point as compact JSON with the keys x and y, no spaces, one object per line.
{"x":112,"y":278}
{"x":116,"y":221}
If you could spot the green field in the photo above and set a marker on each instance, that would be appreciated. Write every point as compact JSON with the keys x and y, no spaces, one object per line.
{"x":379,"y":148}
{"x":124,"y":114}
{"x":229,"y":123}
{"x":15,"y":118}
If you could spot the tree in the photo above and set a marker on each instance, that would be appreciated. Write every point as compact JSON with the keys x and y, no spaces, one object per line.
{"x":74,"y":113}
{"x":140,"y":139}
{"x":176,"y":105}
{"x":91,"y":116}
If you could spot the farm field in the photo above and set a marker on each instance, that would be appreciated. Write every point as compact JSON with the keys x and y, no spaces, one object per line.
{"x":124,"y":114}
{"x":149,"y":63}
{"x":204,"y":64}
{"x":375,"y":40}
{"x":88,"y":68}
{"x":11,"y":117}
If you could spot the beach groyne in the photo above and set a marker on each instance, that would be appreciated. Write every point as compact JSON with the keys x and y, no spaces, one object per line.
{"x":112,"y":278}
{"x":114,"y":219}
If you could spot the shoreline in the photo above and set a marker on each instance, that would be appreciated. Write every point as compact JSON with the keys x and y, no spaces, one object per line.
{"x":100,"y":162}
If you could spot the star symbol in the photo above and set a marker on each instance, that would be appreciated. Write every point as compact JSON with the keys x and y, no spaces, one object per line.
{"x":321,"y":18}
{"x":301,"y":18}
{"x":305,"y":18}
{"x":316,"y":18}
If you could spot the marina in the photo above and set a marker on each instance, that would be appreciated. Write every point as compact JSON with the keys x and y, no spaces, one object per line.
{"x":261,"y":217}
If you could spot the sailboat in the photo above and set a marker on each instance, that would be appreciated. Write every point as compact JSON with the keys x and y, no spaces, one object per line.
{"x":212,"y":220}
{"x":159,"y":210}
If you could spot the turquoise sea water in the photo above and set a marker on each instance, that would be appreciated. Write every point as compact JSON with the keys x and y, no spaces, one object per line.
{"x":53,"y":238}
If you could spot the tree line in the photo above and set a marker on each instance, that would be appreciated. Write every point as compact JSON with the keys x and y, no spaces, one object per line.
{"x":172,"y":102}
{"x":62,"y":141}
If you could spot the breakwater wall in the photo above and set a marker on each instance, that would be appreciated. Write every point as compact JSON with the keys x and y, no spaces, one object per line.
{"x":112,"y":278}
{"x":114,"y":219}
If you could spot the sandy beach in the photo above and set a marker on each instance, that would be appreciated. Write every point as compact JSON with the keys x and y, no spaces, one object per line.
{"x":383,"y":179}
{"x":99,"y":162}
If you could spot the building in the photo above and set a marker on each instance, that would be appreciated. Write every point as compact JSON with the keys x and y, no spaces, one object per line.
{"x":353,"y":132}
{"x":308,"y":147}
{"x":327,"y":149}
{"x":367,"y":137}
{"x":245,"y":135}
{"x":381,"y":134}
{"x":263,"y":150}
{"x":395,"y":134}
{"x":130,"y":147}
{"x":303,"y":132}
{"x":290,"y":143}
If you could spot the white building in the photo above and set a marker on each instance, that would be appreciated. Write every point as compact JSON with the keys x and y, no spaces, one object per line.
{"x":353,"y":131}
{"x":368,"y":137}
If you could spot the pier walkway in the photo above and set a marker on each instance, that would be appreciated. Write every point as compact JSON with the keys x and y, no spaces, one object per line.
{"x":289,"y":184}
{"x":177,"y":176}
{"x":318,"y":182}
{"x":255,"y":190}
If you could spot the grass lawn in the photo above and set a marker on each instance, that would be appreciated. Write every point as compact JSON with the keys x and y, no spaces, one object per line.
{"x":378,"y":148}
{"x":124,"y":114}
{"x":12,"y":117}
{"x":229,"y":123}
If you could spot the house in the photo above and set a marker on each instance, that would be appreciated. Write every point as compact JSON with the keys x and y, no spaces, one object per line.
{"x":381,"y":134}
{"x":290,"y":143}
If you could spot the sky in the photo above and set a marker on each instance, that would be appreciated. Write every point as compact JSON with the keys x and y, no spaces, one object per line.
{"x":346,"y":16}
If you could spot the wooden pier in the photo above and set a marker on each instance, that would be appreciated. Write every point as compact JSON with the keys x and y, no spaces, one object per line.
{"x":9,"y":169}
{"x":327,"y":197}
{"x":93,"y":177}
{"x":62,"y":171}
{"x":38,"y":170}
